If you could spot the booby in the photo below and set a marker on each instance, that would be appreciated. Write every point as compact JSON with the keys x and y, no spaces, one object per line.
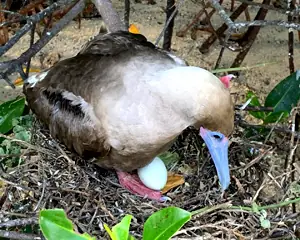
{"x":123,"y":101}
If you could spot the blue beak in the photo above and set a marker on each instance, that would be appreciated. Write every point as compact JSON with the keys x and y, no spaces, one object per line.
{"x":217,"y":145}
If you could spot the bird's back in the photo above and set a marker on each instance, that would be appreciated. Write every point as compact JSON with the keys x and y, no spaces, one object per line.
{"x":89,"y":99}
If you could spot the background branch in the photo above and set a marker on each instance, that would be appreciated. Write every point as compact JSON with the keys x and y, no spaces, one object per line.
{"x":109,"y":15}
{"x":16,"y":64}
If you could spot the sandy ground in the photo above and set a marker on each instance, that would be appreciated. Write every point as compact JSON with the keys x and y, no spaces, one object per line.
{"x":270,"y":46}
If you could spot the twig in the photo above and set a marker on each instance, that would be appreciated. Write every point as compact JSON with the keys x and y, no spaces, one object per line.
{"x":30,"y":45}
{"x":30,"y":21}
{"x":19,"y":222}
{"x":243,"y":123}
{"x":127,"y":13}
{"x":250,"y":36}
{"x":17,"y":235}
{"x":272,"y":129}
{"x":169,"y":30}
{"x":210,"y":209}
{"x":271,"y":206}
{"x":221,"y":70}
{"x":222,"y":13}
{"x":15,"y":65}
{"x":291,"y":157}
{"x":220,"y":31}
{"x":294,"y":12}
{"x":254,"y":108}
{"x":168,"y":21}
{"x":109,"y":15}
{"x":182,"y":32}
{"x":291,"y":6}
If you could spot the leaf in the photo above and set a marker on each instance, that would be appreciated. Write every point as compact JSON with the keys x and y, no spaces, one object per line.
{"x":169,"y":158}
{"x":109,"y":231}
{"x":55,"y":225}
{"x":8,"y":111}
{"x":164,"y":223}
{"x":173,"y":181}
{"x":284,"y":96}
{"x":255,"y":103}
{"x":275,"y":116}
{"x":121,"y":230}
{"x":264,"y":223}
{"x":255,"y":207}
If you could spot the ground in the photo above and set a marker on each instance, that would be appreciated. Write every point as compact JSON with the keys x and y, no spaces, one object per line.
{"x":253,"y":174}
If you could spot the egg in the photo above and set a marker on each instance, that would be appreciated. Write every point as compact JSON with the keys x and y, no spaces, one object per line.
{"x":154,"y":175}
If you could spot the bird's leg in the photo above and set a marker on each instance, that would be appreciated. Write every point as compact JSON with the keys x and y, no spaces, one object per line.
{"x":134,"y":185}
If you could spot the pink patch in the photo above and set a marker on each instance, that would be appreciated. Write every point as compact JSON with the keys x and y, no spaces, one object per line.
{"x":226,"y":79}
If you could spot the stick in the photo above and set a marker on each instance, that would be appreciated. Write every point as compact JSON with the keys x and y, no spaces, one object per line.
{"x":169,"y":30}
{"x":168,"y":21}
{"x":109,"y":15}
{"x":16,"y":64}
{"x":17,"y":235}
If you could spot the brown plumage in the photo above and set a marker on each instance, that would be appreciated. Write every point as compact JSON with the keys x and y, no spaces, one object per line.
{"x":124,"y":101}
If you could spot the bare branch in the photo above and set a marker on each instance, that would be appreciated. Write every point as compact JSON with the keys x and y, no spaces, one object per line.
{"x":30,"y":22}
{"x":109,"y":15}
{"x":19,"y":222}
{"x":236,"y":26}
{"x":169,"y":21}
{"x":16,"y":64}
{"x":293,"y":13}
{"x":169,"y":30}
{"x":17,"y":235}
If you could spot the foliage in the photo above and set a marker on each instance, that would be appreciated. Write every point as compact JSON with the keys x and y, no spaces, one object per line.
{"x":8,"y":111}
{"x":284,"y":96}
{"x":159,"y":226}
{"x":55,"y":225}
{"x":20,"y":126}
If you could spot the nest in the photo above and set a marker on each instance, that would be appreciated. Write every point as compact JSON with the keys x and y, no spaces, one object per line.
{"x":52,"y":177}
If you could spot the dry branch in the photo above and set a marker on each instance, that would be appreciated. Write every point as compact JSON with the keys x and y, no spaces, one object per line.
{"x":15,"y":65}
{"x":236,"y":26}
{"x":109,"y":15}
{"x":17,"y":235}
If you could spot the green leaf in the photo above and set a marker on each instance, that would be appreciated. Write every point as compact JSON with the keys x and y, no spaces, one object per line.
{"x":255,"y":207}
{"x":121,"y":230}
{"x":264,"y":223}
{"x":255,"y":103}
{"x":284,"y":96}
{"x":55,"y":225}
{"x":275,"y":116}
{"x":169,"y":158}
{"x":164,"y":223}
{"x":8,"y":111}
{"x":110,"y":233}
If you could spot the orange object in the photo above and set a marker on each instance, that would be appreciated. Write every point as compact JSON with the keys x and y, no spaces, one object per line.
{"x":174,"y":180}
{"x":133,"y":29}
{"x":19,"y":80}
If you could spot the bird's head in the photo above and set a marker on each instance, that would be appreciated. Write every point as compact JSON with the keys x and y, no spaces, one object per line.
{"x":204,"y":102}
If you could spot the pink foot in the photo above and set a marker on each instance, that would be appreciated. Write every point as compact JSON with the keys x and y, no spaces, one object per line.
{"x":134,"y":185}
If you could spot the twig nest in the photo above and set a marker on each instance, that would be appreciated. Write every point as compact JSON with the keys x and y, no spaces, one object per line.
{"x":154,"y":175}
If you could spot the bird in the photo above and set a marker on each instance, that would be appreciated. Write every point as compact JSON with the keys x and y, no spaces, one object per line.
{"x":122,"y":101}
